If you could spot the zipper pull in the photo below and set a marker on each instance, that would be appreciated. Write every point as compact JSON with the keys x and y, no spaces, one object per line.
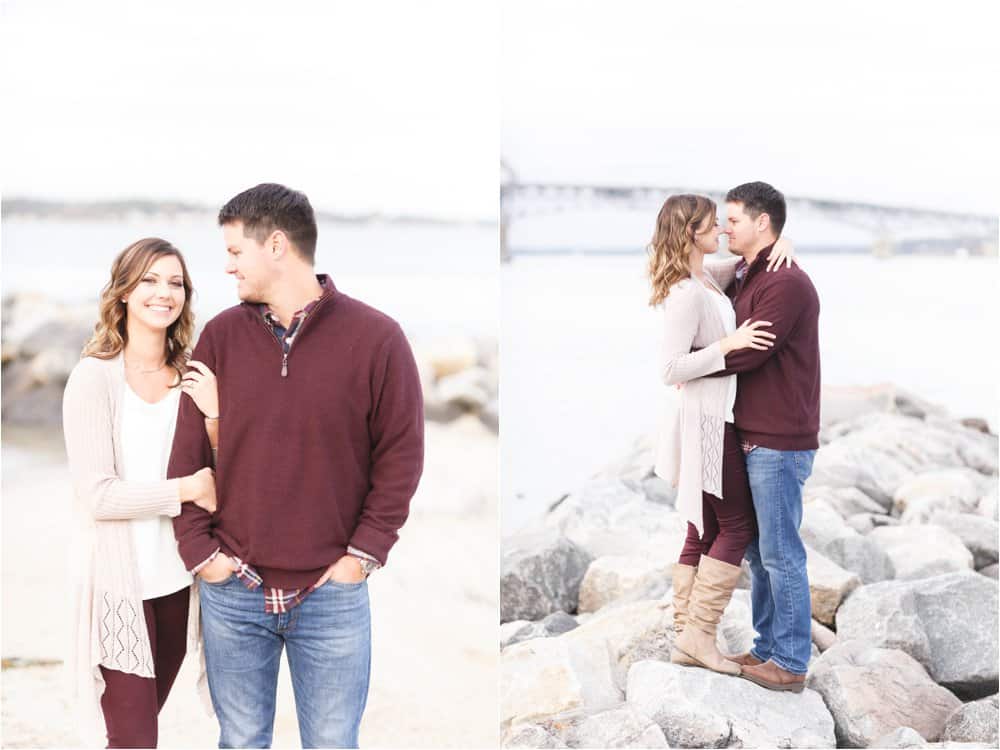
{"x":284,"y":365}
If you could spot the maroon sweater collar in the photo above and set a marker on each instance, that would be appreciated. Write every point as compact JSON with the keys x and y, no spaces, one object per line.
{"x":746,"y":270}
{"x":325,"y":282}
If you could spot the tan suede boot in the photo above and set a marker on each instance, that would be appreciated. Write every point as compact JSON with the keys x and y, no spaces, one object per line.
{"x":713,"y":588}
{"x":683,"y":579}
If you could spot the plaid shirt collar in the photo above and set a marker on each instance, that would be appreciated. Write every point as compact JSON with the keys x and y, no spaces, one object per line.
{"x":744,"y":269}
{"x":287,"y":335}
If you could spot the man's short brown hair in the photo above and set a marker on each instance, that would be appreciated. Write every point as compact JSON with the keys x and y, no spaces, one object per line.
{"x":268,"y":207}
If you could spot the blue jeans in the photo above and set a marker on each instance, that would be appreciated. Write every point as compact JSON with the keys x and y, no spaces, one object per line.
{"x":779,"y":587}
{"x":328,"y":637}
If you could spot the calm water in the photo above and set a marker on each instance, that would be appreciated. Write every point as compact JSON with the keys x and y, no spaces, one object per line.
{"x":437,"y":281}
{"x":579,"y":346}
{"x":580,"y":350}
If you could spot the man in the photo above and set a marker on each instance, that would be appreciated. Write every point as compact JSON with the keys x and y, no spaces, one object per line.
{"x":320,"y":448}
{"x":777,"y":415}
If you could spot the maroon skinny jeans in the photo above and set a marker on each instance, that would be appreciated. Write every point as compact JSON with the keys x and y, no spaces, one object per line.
{"x":730,"y":523}
{"x":131,"y":703}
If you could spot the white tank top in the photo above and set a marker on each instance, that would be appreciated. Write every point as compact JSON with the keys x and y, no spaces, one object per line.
{"x":728,"y":315}
{"x":147,"y":436}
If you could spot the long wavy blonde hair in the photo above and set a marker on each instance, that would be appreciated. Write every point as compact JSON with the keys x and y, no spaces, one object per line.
{"x":673,"y":240}
{"x":111,"y":333}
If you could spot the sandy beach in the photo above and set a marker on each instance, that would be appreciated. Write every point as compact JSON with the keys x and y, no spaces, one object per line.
{"x":434,"y":658}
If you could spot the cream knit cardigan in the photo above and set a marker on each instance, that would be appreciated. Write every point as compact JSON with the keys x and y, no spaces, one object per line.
{"x":107,"y":624}
{"x":690,"y":446}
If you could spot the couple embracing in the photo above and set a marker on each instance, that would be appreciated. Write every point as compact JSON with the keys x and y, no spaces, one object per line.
{"x":233,"y":500}
{"x":742,"y":344}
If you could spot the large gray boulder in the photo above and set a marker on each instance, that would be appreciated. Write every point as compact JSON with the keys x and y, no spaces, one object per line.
{"x":459,"y":376}
{"x":635,"y":470}
{"x":659,"y":491}
{"x":548,"y":676}
{"x":624,"y":634}
{"x":822,"y":637}
{"x":979,"y":535}
{"x":558,"y":623}
{"x":701,"y":708}
{"x":974,"y":722}
{"x":901,"y":737}
{"x":951,"y":490}
{"x":825,"y":530}
{"x":837,"y":466}
{"x":623,"y":578}
{"x":469,"y":389}
{"x":583,"y":669}
{"x":829,"y":585}
{"x":42,"y":342}
{"x":861,"y":686}
{"x":540,"y":574}
{"x":510,"y":629}
{"x":621,"y":727}
{"x":877,"y":453}
{"x":846,"y":404}
{"x":989,"y":503}
{"x":636,"y":465}
{"x":977,"y":449}
{"x":611,"y":516}
{"x":489,"y":415}
{"x":922,"y":550}
{"x":911,"y":405}
{"x":530,"y":737}
{"x":864,"y":523}
{"x":990,"y":571}
{"x":34,"y":323}
{"x":842,"y":403}
{"x":947,"y":623}
{"x":905,"y":737}
{"x":28,"y":401}
{"x":518,"y":631}
{"x":846,"y":501}
{"x":447,"y":356}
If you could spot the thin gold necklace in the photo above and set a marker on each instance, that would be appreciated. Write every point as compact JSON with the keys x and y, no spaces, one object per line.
{"x":146,"y":372}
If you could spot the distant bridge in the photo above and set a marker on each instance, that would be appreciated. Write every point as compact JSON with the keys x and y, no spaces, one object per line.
{"x":521,"y":199}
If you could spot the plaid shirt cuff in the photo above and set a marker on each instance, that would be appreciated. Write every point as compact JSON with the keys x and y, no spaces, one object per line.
{"x":202,"y":564}
{"x":250,"y":577}
{"x":354,"y":551}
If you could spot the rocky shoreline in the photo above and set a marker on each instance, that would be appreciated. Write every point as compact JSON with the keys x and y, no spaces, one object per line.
{"x":900,"y":522}
{"x":42,"y":340}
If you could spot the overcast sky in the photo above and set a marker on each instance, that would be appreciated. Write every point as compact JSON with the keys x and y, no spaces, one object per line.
{"x":366,"y":106}
{"x":397,"y":106}
{"x":886,"y":101}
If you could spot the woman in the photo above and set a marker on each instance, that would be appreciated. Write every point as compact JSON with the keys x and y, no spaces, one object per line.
{"x":132,"y":593}
{"x":700,"y":451}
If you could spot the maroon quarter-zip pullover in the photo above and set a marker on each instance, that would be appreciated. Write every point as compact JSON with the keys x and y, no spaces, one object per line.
{"x":324,"y":456}
{"x":778,"y":390}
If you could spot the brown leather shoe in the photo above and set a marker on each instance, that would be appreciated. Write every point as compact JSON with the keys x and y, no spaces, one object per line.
{"x":773,"y":677}
{"x":745,"y":660}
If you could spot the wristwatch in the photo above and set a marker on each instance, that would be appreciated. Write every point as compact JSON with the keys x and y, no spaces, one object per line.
{"x":368,"y":566}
